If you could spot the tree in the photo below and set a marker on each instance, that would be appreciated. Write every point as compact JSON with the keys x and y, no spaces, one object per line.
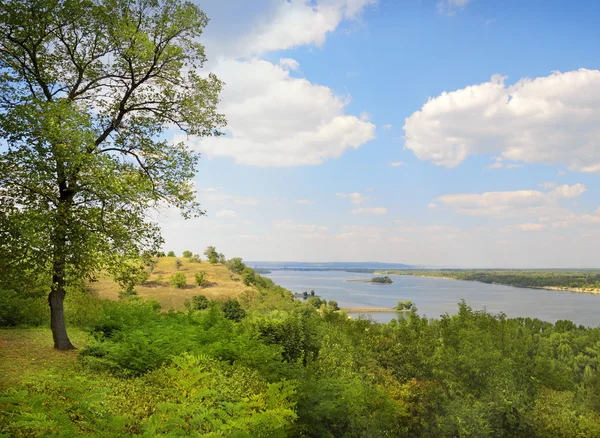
{"x":86,"y":90}
{"x":178,"y":264}
{"x":187,"y":254}
{"x":211,"y":254}
{"x":171,"y":254}
{"x":236,"y":265}
{"x":233,"y":311}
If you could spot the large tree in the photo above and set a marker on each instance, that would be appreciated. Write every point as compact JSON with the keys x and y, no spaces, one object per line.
{"x":88,"y":91}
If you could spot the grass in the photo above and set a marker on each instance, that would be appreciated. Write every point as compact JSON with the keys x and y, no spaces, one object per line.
{"x":28,"y":351}
{"x":224,"y":284}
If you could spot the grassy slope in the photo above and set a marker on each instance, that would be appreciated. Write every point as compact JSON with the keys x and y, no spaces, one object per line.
{"x":28,"y":351}
{"x":224,"y":284}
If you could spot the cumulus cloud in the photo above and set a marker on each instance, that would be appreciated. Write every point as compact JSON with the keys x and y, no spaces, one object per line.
{"x":226,"y":213}
{"x":355,"y":197}
{"x":297,"y":23}
{"x":552,"y":120}
{"x":276,"y":120}
{"x":511,"y":203}
{"x":370,"y":210}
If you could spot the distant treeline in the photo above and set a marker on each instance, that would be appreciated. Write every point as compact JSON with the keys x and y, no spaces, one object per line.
{"x":583,"y":279}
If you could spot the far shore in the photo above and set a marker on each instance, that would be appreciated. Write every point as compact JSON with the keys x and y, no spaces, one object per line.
{"x":557,"y":288}
{"x":366,"y":281}
{"x":371,"y":309}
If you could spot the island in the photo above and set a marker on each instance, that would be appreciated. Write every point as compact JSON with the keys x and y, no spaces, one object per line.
{"x":375,"y":280}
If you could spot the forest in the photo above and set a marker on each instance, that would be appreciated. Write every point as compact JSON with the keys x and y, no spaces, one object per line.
{"x":576,"y":280}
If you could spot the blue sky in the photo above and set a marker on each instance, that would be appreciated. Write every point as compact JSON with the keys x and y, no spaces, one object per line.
{"x":449,"y":133}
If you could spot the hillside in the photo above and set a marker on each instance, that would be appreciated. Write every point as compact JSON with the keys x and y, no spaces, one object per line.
{"x":223,"y":284}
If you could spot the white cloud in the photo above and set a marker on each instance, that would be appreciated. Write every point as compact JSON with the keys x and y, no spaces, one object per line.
{"x":387,"y":127}
{"x":370,"y":210}
{"x":305,"y":202}
{"x":561,"y":173}
{"x":355,"y":197}
{"x":365,"y":116}
{"x":291,"y":225}
{"x":289,"y":64}
{"x":431,"y":205}
{"x":525,"y":227}
{"x":226,"y":213}
{"x":397,"y":164}
{"x":552,"y":120}
{"x":275,"y":120}
{"x":514,"y":203}
{"x":547,"y":185}
{"x":299,"y":23}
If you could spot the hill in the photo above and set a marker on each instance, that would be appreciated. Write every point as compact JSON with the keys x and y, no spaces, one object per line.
{"x":223,"y":283}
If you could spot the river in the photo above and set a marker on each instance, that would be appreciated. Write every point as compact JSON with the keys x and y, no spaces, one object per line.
{"x":436,"y":296}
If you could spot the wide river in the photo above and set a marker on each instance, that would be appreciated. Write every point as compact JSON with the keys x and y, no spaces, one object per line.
{"x":436,"y":296}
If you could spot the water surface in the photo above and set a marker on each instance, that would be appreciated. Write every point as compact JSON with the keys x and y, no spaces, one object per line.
{"x":436,"y":296}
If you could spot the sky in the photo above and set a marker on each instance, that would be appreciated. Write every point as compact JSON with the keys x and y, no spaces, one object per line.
{"x":456,"y":133}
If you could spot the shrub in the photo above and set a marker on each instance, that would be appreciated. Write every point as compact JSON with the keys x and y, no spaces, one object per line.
{"x":178,"y":264}
{"x":201,"y":279}
{"x":187,"y":254}
{"x":178,"y":280}
{"x":233,"y":310}
{"x":171,"y":254}
{"x":195,"y":259}
{"x":197,"y":302}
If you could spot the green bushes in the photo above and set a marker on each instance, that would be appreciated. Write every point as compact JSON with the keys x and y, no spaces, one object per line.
{"x":197,"y":302}
{"x":233,"y":310}
{"x":187,"y":254}
{"x":178,"y":280}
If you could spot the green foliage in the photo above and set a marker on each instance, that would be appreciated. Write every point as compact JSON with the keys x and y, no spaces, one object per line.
{"x":73,"y":75}
{"x":383,"y":280}
{"x":187,"y":254}
{"x":404,"y":305}
{"x":233,"y":311}
{"x":171,"y":254}
{"x":236,"y":265}
{"x":201,"y":279}
{"x":178,"y":264}
{"x":197,"y":302}
{"x":195,"y":259}
{"x":211,"y":254}
{"x":178,"y":280}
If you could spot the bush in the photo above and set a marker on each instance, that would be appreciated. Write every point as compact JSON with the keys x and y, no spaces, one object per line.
{"x":187,"y":254}
{"x":178,"y":264}
{"x":201,"y":279}
{"x":178,"y":280}
{"x":171,"y":254}
{"x":197,"y":302}
{"x":233,"y":310}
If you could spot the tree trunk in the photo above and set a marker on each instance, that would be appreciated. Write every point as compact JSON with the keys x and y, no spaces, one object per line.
{"x":57,"y":295}
{"x":57,"y":318}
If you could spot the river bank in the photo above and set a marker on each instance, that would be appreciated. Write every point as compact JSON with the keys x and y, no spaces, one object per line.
{"x":555,"y":288}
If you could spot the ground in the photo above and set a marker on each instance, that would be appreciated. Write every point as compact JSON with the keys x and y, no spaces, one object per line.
{"x":224,"y":284}
{"x":28,"y":351}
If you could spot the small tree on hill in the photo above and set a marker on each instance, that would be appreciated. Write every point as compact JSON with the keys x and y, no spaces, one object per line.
{"x":211,"y":254}
{"x":178,"y":264}
{"x":201,"y":279}
{"x":187,"y":254}
{"x":171,"y":254}
{"x":236,"y":265}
